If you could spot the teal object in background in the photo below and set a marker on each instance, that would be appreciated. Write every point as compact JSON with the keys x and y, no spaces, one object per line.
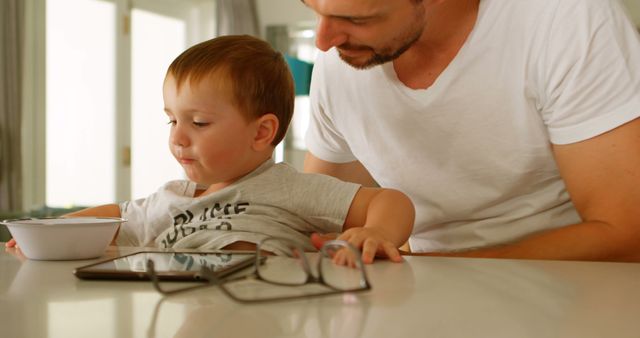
{"x":301,"y":71}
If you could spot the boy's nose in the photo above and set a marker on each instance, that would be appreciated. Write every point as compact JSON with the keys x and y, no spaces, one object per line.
{"x":328,"y":34}
{"x":178,"y":137}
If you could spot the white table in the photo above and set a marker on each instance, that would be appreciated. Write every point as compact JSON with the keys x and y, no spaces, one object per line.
{"x":423,"y":297}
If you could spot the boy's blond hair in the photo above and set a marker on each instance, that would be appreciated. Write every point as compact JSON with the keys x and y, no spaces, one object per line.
{"x":257,"y":75}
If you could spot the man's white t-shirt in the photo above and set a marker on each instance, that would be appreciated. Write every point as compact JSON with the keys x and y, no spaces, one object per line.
{"x":473,"y":151}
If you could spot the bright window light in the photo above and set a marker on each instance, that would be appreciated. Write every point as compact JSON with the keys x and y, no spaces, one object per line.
{"x":156,"y":41}
{"x":80,"y":105}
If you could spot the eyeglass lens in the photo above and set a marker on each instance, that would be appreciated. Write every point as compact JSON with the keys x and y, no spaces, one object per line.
{"x":287,"y":268}
{"x":338,"y":266}
{"x":341,"y":267}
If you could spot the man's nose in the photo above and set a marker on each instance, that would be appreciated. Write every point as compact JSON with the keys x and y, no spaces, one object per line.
{"x":329,"y":34}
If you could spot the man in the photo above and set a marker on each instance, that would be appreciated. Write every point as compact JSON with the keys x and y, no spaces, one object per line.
{"x":511,"y":124}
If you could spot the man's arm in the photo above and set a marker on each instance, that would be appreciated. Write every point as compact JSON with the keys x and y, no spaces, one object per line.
{"x":351,"y":171}
{"x":602,"y":176}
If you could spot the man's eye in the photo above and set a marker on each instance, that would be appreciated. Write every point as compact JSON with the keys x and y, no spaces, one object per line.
{"x":358,"y":21}
{"x":200,"y":124}
{"x":172,"y":122}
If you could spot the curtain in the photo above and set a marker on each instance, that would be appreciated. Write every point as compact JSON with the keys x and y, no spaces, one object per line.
{"x":11,"y":42}
{"x":237,"y":17}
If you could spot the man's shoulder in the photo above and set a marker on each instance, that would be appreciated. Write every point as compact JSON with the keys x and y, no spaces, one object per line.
{"x":534,"y":22}
{"x":534,"y":9}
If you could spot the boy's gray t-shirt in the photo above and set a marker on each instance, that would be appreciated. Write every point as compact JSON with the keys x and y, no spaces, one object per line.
{"x":274,"y":200}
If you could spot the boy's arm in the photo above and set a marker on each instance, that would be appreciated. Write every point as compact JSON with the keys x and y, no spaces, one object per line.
{"x":379,"y":221}
{"x":107,"y":210}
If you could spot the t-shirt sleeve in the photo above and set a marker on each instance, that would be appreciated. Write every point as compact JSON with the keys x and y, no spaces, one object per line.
{"x":323,"y":139}
{"x":591,"y":71}
{"x":130,"y":233}
{"x":148,"y":217}
{"x":323,"y":200}
{"x":305,"y":202}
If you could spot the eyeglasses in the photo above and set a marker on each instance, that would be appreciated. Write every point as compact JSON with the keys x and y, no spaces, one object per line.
{"x":283,"y":271}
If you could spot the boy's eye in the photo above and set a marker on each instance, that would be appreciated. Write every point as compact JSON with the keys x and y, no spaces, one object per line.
{"x":200,"y":124}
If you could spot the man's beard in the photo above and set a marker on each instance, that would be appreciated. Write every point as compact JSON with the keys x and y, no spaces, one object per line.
{"x":379,"y":56}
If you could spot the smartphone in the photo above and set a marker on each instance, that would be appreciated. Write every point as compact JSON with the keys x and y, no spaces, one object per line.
{"x":178,"y":266}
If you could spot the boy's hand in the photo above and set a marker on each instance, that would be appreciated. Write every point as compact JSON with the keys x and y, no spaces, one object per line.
{"x":11,"y":243}
{"x":370,"y":241}
{"x":318,"y":239}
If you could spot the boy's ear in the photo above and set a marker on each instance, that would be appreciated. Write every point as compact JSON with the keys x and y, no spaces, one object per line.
{"x":266,"y":130}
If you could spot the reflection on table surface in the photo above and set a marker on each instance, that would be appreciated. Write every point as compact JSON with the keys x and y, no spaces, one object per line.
{"x":425,"y":296}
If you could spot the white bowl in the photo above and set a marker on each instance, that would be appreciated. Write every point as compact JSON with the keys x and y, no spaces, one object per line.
{"x":63,"y":238}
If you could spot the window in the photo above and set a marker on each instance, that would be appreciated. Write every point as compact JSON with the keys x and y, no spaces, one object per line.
{"x":80,"y":102}
{"x":104,"y":62}
{"x":155,"y":41}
